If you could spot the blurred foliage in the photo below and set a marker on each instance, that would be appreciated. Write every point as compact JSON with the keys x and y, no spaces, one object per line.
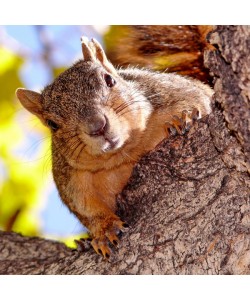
{"x":9,"y":79}
{"x":58,"y":71}
{"x":17,"y":210}
{"x":115,"y":35}
{"x":22,"y":184}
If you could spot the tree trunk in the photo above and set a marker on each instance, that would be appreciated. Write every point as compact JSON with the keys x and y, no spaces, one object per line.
{"x":187,"y":202}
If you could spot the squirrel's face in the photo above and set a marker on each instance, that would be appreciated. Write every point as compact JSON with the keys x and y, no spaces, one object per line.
{"x":88,"y":109}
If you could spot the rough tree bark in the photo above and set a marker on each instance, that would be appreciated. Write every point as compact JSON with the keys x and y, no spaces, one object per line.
{"x":187,"y":203}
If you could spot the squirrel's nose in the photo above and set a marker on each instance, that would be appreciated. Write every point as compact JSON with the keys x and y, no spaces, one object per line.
{"x":98,"y":126}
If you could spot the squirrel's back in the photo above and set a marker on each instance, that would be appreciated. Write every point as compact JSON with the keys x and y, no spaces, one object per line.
{"x":168,"y":89}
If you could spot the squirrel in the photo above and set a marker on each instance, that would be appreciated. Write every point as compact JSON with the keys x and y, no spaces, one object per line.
{"x":102,"y":121}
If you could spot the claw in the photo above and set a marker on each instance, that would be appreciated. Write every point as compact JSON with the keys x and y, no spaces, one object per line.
{"x":195,"y":114}
{"x":169,"y":129}
{"x":102,"y":243}
{"x":101,"y":247}
{"x":180,"y":125}
{"x":125,"y":225}
{"x":115,"y":243}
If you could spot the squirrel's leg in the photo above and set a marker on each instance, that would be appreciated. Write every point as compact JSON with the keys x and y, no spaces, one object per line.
{"x":103,"y":225}
{"x":180,"y":125}
{"x":93,"y":210}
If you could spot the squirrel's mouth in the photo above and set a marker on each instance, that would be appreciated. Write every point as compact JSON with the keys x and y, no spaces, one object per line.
{"x":111,"y":144}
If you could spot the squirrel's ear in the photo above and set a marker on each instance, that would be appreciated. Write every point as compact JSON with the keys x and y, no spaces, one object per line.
{"x":101,"y":56}
{"x":87,"y":52}
{"x":30,"y":100}
{"x":92,"y":51}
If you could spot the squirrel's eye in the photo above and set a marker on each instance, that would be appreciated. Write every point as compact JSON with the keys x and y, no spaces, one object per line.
{"x":109,"y":80}
{"x":53,"y":126}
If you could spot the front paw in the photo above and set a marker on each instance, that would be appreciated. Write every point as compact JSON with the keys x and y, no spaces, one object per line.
{"x":180,"y":125}
{"x":107,"y":233}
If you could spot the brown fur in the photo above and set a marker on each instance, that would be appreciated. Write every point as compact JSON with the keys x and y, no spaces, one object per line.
{"x":91,"y":170}
{"x":160,"y":47}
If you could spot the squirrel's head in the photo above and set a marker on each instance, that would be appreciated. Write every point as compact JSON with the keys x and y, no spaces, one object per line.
{"x":89,"y":107}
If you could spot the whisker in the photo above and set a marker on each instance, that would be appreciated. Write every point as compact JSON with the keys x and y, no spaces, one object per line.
{"x":108,"y":98}
{"x":133,"y":159}
{"x":78,"y":155}
{"x":70,"y":138}
{"x":79,"y":143}
{"x":129,"y":104}
{"x":126,"y":104}
{"x":36,"y":144}
{"x":133,"y":109}
{"x":67,"y":148}
{"x":47,"y":162}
